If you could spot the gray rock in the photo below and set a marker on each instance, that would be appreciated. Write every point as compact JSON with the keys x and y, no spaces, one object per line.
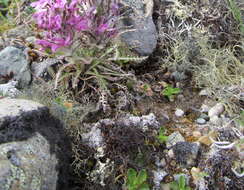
{"x":9,"y":89}
{"x":201,"y":121}
{"x":186,"y":153}
{"x":40,"y":68}
{"x":33,"y":148}
{"x":21,"y":31}
{"x":174,"y":138}
{"x":216,"y":110}
{"x":14,"y":60}
{"x":143,"y":36}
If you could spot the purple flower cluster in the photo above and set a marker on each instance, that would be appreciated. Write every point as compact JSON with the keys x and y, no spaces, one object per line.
{"x":62,"y":20}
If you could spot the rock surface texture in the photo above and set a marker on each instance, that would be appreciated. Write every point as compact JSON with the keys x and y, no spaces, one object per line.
{"x":138,"y":17}
{"x":13,"y":60}
{"x":31,"y":147}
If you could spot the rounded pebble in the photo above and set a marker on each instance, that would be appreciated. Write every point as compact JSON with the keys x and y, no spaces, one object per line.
{"x":171,"y":153}
{"x":179,"y":112}
{"x":196,"y":134}
{"x":201,"y":121}
{"x":216,"y":110}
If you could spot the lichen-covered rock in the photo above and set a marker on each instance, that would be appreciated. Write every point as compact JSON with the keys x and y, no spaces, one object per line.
{"x":9,"y":89}
{"x":143,"y":36}
{"x":32,"y":147}
{"x":174,"y":138}
{"x":111,"y":139}
{"x":186,"y":153}
{"x":13,"y":60}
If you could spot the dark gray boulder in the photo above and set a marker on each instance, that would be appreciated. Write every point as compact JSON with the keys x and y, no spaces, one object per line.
{"x":141,"y":34}
{"x":33,"y":147}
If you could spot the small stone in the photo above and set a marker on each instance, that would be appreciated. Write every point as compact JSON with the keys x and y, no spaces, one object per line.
{"x":201,"y":121}
{"x":174,"y":138}
{"x":162,"y":162}
{"x":196,"y":134}
{"x":171,"y":153}
{"x":179,"y":112}
{"x":205,"y":140}
{"x":215,"y":120}
{"x":216,"y":110}
{"x":204,"y":92}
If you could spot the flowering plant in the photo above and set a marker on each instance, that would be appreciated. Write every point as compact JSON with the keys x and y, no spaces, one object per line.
{"x":64,"y":21}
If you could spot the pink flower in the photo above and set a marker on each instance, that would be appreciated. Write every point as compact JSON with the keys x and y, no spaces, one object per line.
{"x":55,"y":43}
{"x":64,"y":19}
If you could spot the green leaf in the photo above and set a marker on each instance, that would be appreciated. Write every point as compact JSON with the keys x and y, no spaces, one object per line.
{"x":131,"y":187}
{"x":142,"y":177}
{"x":162,"y":138}
{"x":174,"y":185}
{"x":144,"y":186}
{"x":169,"y":91}
{"x":131,"y":176}
{"x":182,"y":182}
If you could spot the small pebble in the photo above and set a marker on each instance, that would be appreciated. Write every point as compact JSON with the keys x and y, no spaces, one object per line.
{"x":179,"y":112}
{"x":205,"y":140}
{"x":204,"y":92}
{"x":196,"y":134}
{"x":163,"y":162}
{"x":204,"y":116}
{"x":215,"y":120}
{"x":171,"y":153}
{"x":201,"y":121}
{"x":216,"y":110}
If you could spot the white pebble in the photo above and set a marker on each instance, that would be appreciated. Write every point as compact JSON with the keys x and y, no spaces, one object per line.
{"x":204,"y":92}
{"x":171,"y":153}
{"x":179,"y":112}
{"x":201,"y":121}
{"x":216,"y":110}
